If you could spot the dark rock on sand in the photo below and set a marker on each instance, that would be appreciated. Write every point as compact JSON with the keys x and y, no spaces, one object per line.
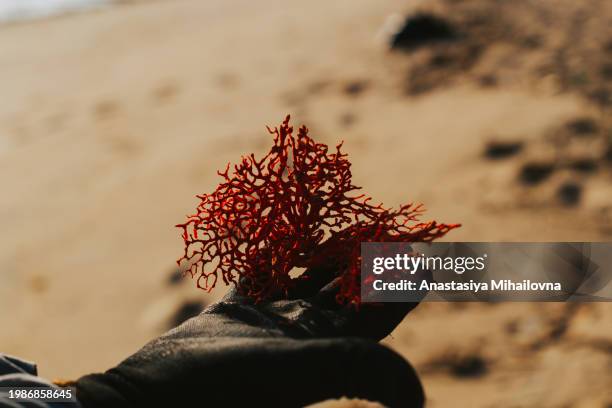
{"x":569,"y":193}
{"x":535,"y":173}
{"x":187,"y":310}
{"x":421,"y":30}
{"x":502,"y":150}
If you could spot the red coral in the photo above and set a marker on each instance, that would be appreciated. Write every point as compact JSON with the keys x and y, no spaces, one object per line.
{"x":291,"y":209}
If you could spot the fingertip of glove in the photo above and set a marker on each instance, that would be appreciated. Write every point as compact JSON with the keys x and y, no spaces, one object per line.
{"x":362,"y":368}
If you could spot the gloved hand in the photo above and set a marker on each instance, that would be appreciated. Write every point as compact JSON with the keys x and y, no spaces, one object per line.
{"x":282,"y":353}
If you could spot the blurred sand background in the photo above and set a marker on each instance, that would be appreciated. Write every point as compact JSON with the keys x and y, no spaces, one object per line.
{"x":112,"y":120}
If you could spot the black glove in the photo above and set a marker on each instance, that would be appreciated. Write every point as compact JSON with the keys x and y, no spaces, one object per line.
{"x":282,"y":353}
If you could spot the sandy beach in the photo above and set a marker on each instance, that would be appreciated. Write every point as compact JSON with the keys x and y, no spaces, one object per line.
{"x":112,"y":120}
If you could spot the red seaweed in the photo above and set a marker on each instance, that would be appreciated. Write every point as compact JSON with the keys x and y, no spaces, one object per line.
{"x":294,"y":208}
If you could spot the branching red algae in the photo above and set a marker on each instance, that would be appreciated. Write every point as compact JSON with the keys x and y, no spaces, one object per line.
{"x":294,"y":208}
